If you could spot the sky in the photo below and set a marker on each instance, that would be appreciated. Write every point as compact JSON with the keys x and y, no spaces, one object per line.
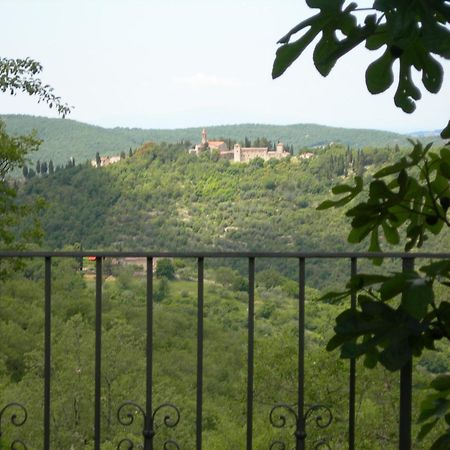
{"x":182,"y":63}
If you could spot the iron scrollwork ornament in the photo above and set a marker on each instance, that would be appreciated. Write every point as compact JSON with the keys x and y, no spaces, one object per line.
{"x":279,"y":418}
{"x":126,"y":415}
{"x":19,"y":416}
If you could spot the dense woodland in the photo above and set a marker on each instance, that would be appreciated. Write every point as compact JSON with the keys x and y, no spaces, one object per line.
{"x":162,"y":198}
{"x":175,"y":359}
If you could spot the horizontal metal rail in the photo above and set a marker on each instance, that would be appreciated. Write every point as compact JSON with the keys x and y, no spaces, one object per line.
{"x":170,"y":412}
{"x":150,"y":254}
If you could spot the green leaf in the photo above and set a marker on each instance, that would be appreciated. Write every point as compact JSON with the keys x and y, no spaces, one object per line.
{"x":288,"y":53}
{"x":441,"y":383}
{"x":406,"y":90}
{"x":417,"y":297}
{"x":371,"y":358}
{"x":425,"y":429}
{"x":432,"y":74}
{"x":378,"y":189}
{"x":444,"y":167}
{"x":326,"y":205}
{"x":363,"y":280}
{"x":393,"y":286}
{"x":391,"y":234}
{"x":341,"y":189}
{"x":433,"y":405}
{"x":379,"y":75}
{"x":336,"y":341}
{"x":323,"y":52}
{"x":436,"y":39}
{"x":375,"y":246}
{"x":358,"y":234}
{"x":397,"y":354}
{"x":394,"y":168}
{"x":445,"y":133}
{"x":441,"y":268}
{"x":442,"y":443}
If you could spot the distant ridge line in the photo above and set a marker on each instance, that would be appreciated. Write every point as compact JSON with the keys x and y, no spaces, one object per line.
{"x":66,"y":138}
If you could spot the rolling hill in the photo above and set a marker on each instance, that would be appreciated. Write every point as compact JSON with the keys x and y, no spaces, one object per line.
{"x":65,"y":138}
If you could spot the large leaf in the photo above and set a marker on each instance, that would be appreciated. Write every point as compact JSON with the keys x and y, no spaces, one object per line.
{"x":379,"y":74}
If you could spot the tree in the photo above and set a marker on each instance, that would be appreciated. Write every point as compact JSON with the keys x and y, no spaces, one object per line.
{"x":412,"y":195}
{"x":25,"y":171}
{"x":20,"y":75}
{"x":51,"y":167}
{"x":44,"y":168}
{"x":411,"y":32}
{"x":38,"y":167}
{"x":122,"y":155}
{"x":165,"y":269}
{"x":98,"y":160}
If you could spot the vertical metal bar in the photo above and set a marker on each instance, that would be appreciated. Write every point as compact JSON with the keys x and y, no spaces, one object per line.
{"x":98,"y":350}
{"x":406,"y":388}
{"x":251,"y":338}
{"x":352,"y":376}
{"x":47,"y":350}
{"x":301,"y":433}
{"x":200,"y":264}
{"x":148,"y":430}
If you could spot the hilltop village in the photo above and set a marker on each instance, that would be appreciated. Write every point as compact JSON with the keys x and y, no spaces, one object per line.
{"x":238,"y":153}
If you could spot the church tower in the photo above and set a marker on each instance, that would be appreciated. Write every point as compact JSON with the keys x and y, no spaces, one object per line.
{"x":204,"y":137}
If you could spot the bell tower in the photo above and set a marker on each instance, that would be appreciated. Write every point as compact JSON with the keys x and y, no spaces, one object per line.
{"x":204,"y":137}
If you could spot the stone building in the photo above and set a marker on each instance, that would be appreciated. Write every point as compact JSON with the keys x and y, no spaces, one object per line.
{"x":105,"y":161}
{"x":238,"y":153}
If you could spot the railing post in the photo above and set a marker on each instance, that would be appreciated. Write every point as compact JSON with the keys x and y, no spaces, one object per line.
{"x":352,"y":376}
{"x":98,"y":350}
{"x":251,"y":339}
{"x":300,"y":432}
{"x":200,"y":263}
{"x":148,"y":429}
{"x":47,"y":350}
{"x":406,"y":387}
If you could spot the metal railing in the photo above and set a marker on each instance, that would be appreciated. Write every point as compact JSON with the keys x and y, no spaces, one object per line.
{"x":17,"y":414}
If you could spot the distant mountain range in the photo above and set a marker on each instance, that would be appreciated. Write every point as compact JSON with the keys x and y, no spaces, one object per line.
{"x":65,"y":138}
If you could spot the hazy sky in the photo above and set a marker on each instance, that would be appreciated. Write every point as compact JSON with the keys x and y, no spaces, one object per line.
{"x":179,"y":63}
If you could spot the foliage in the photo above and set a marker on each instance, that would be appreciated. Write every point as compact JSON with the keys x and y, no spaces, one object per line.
{"x":173,"y":201}
{"x":174,"y":361}
{"x":20,"y":75}
{"x":13,"y":152}
{"x":434,"y":408}
{"x":165,"y":269}
{"x":413,"y":191}
{"x":65,"y":138}
{"x":412,"y":194}
{"x":410,"y":31}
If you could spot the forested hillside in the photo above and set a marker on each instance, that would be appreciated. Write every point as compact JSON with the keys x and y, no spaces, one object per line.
{"x":164,"y":199}
{"x":65,"y":138}
{"x":174,"y":353}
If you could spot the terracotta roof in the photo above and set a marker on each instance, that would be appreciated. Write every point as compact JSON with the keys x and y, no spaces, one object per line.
{"x":216,"y":142}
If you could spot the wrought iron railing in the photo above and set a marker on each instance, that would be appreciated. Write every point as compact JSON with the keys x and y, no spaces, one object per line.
{"x":168,"y":414}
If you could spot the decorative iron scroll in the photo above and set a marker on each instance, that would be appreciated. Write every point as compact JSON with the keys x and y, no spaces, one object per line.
{"x":19,"y":416}
{"x":127,"y":412}
{"x":281,"y":414}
